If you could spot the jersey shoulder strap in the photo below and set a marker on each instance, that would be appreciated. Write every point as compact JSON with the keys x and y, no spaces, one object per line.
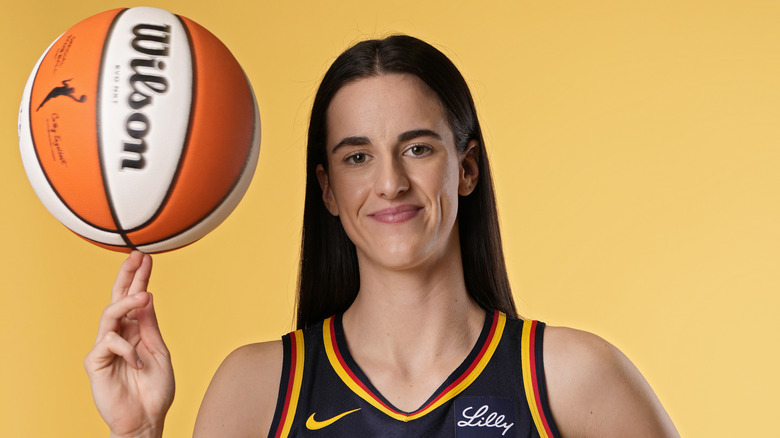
{"x":531,"y":347}
{"x":289,"y":385}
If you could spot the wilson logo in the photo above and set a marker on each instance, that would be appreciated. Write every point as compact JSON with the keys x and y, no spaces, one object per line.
{"x":146,"y":82}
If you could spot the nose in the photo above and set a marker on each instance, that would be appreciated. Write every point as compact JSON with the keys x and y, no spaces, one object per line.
{"x":391,"y":179}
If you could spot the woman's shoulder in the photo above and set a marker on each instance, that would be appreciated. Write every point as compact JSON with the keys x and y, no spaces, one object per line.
{"x":258,"y":353}
{"x":241,"y":398}
{"x":595,"y":390}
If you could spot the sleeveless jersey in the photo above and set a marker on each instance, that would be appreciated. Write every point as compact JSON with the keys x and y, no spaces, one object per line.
{"x":498,"y":390}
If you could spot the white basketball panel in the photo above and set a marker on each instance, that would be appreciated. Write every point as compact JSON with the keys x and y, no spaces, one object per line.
{"x":147,"y":64}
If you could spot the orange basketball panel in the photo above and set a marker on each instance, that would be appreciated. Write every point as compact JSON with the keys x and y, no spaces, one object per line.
{"x":63,"y":122}
{"x":220,"y":138}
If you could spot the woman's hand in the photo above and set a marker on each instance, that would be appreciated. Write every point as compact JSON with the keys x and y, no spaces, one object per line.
{"x":130,"y":366}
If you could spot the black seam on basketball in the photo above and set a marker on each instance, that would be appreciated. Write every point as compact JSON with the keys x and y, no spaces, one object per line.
{"x":122,"y":233}
{"x":113,"y":245}
{"x":53,"y":188}
{"x":40,"y":163}
{"x":187,"y":136}
{"x":216,"y":207}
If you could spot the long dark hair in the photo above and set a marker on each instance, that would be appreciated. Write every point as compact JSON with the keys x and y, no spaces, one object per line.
{"x":329,"y":279}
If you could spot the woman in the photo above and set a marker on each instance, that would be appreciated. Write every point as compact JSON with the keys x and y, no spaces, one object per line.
{"x":402,"y":259}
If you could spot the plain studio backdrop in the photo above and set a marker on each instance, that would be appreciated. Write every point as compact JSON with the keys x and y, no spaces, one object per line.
{"x":636,"y":154}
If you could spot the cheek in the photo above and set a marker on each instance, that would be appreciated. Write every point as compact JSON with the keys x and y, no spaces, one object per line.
{"x":444,"y":183}
{"x":349,"y":191}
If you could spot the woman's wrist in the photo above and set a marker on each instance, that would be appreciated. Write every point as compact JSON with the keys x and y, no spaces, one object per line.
{"x":145,"y":433}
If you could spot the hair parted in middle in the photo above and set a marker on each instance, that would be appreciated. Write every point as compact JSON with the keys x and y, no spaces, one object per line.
{"x":329,"y":278}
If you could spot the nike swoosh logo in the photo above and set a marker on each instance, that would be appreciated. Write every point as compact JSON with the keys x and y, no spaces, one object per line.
{"x":313,"y":424}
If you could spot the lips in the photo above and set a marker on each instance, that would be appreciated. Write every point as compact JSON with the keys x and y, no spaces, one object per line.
{"x":394,"y":215}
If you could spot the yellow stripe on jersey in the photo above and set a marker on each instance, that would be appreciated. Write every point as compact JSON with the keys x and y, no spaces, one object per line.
{"x":297,"y":369}
{"x":529,"y":378}
{"x":459,"y":385}
{"x":472,"y":376}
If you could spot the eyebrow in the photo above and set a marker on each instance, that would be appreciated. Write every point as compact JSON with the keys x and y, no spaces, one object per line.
{"x":351,"y":141}
{"x":416,"y":133}
{"x":404,"y":136}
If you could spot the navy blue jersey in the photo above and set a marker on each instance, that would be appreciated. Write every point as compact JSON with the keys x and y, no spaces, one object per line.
{"x":498,"y":390}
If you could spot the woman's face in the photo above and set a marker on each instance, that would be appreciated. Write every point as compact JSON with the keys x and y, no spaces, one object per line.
{"x":394,"y":173}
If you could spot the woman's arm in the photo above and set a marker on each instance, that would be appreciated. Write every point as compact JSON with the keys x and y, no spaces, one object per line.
{"x":595,"y":390}
{"x":241,"y":398}
{"x":129,"y":367}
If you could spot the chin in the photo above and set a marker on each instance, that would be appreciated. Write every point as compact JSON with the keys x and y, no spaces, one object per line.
{"x":399,"y":261}
{"x":403,"y":258}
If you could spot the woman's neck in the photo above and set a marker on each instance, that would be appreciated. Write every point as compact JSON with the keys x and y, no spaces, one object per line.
{"x":409,"y":329}
{"x":409,"y":332}
{"x":428,"y":299}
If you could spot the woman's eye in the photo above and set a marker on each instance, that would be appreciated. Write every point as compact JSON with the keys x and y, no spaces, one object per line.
{"x":356,"y":158}
{"x":418,"y":150}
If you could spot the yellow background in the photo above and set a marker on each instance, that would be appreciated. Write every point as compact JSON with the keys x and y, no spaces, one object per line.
{"x":636,"y":153}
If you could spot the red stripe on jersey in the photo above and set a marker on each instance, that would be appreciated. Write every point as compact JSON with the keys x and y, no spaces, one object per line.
{"x":290,"y":384}
{"x":532,"y":356}
{"x":352,"y":374}
{"x":471,"y":366}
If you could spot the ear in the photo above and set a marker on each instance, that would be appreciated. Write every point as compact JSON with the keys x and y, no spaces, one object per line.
{"x":327,"y":193}
{"x":469,"y":169}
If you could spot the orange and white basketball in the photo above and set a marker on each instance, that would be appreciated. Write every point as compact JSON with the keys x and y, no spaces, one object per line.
{"x":138,"y":129}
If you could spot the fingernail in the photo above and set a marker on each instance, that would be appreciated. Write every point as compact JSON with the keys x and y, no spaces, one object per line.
{"x":138,"y":296}
{"x":139,"y":364}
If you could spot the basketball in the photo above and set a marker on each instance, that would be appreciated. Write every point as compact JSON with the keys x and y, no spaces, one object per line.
{"x":138,"y":129}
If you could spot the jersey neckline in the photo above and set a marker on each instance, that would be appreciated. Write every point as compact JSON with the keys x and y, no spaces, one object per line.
{"x":350,"y":373}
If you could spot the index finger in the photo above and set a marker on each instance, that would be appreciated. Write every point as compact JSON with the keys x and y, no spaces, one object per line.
{"x":133,"y":276}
